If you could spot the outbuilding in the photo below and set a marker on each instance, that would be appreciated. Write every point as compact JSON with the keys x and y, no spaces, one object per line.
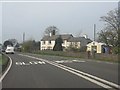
{"x":98,"y":47}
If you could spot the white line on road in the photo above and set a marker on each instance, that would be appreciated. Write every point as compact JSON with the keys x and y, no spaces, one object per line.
{"x":84,"y":75}
{"x":29,"y":63}
{"x":68,"y":61}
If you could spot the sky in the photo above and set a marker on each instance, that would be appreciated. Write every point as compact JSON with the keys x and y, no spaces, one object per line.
{"x":33,"y":18}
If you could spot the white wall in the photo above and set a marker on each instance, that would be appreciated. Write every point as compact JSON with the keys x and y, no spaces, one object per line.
{"x":47,"y":45}
{"x":50,"y":46}
{"x":99,"y":47}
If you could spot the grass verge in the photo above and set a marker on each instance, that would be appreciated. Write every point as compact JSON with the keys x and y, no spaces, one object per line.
{"x":3,"y":62}
{"x":83,"y":55}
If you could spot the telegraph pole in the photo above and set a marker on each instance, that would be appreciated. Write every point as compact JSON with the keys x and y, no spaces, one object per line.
{"x":23,"y":37}
{"x":94,"y":41}
{"x":94,"y":31}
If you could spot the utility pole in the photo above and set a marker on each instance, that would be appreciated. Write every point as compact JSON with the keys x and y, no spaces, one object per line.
{"x":23,"y":40}
{"x":94,"y":41}
{"x":23,"y":37}
{"x":94,"y":31}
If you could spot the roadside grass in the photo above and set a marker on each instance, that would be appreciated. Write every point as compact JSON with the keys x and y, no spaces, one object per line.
{"x":0,"y":59}
{"x":0,"y":63}
{"x":3,"y":63}
{"x":80,"y":55}
{"x":61,"y":53}
{"x":107,"y":58}
{"x":3,"y":59}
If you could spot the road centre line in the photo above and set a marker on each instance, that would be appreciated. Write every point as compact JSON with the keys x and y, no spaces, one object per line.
{"x":101,"y":82}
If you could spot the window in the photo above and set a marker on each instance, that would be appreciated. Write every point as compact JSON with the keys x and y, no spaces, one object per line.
{"x":64,"y":42}
{"x":49,"y":48}
{"x":50,"y":42}
{"x":76,"y":44}
{"x":43,"y":42}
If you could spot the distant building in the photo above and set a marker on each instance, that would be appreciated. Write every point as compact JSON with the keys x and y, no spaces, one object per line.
{"x":78,"y":42}
{"x":96,"y":46}
{"x":48,"y":42}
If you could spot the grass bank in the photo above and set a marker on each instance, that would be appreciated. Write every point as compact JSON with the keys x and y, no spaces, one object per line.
{"x":0,"y":59}
{"x":3,"y":62}
{"x":83,"y":55}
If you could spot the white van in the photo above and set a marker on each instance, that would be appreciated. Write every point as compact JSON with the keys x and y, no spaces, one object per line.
{"x":9,"y":49}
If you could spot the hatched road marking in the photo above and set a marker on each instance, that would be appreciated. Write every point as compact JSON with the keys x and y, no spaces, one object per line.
{"x":30,"y":63}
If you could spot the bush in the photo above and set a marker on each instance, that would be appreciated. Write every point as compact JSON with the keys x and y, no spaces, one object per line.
{"x":116,"y":50}
{"x":58,"y":44}
{"x":83,"y":49}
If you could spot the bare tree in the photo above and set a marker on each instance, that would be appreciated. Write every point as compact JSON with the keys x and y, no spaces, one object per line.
{"x":51,"y":29}
{"x":112,"y":20}
{"x":109,"y":34}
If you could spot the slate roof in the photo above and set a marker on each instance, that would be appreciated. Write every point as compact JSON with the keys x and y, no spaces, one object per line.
{"x":68,"y":37}
{"x":83,"y":41}
{"x":79,"y":39}
{"x":54,"y":37}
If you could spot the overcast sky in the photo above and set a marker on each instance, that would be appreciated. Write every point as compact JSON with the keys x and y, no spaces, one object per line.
{"x":34,"y":17}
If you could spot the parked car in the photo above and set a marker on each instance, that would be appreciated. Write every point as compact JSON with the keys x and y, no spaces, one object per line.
{"x":9,"y":49}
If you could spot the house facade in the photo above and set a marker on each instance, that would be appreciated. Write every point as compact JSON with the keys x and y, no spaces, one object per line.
{"x":98,"y":47}
{"x":48,"y":42}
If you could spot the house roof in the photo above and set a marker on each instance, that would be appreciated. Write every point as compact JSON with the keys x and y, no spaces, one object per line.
{"x":79,"y":39}
{"x":54,"y":37}
{"x":68,"y":37}
{"x":95,"y":43}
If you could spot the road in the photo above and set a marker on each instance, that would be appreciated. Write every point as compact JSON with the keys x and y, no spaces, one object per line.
{"x":35,"y":71}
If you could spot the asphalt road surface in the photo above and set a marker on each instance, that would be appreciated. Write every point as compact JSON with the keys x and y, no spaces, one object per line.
{"x":35,"y":71}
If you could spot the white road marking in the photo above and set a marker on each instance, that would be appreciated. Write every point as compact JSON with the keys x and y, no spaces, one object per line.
{"x":101,"y":82}
{"x":30,"y":63}
{"x":68,"y":61}
{"x":37,"y":62}
{"x":25,"y":63}
{"x":18,"y":63}
{"x":78,"y":61}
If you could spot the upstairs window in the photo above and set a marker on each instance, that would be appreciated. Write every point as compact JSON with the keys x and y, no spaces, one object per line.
{"x":50,"y":42}
{"x":43,"y":42}
{"x":64,"y":42}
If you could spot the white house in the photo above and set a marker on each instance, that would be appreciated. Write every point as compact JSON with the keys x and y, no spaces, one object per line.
{"x":98,"y":47}
{"x":48,"y":42}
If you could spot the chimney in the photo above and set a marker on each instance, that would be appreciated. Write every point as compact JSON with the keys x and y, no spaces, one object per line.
{"x":53,"y":32}
{"x":85,"y":36}
{"x":50,"y":34}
